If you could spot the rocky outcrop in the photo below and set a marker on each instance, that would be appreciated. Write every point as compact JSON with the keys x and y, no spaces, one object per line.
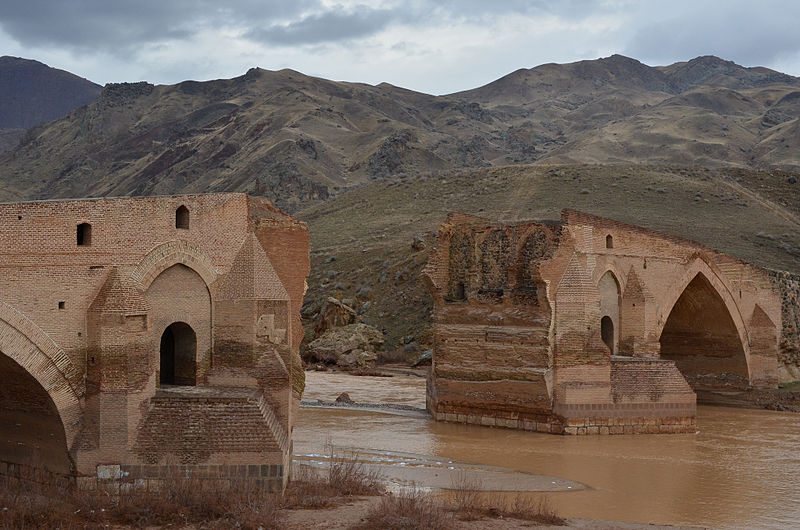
{"x":351,"y":346}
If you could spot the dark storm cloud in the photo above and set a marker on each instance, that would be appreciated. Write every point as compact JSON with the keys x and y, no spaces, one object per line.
{"x":748,"y":33}
{"x":118,"y":26}
{"x":331,"y":26}
{"x":112,"y":25}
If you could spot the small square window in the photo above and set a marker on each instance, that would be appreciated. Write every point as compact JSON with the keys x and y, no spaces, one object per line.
{"x":62,"y":305}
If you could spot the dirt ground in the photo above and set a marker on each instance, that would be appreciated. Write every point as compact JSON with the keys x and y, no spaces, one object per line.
{"x":354,"y":512}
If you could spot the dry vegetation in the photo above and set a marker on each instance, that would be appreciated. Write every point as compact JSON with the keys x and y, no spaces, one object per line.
{"x":414,"y":508}
{"x":184,"y":501}
{"x":192,"y":502}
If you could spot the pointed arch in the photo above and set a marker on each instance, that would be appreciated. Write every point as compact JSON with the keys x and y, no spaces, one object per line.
{"x":701,"y":266}
{"x":182,"y":217}
{"x":609,"y":288}
{"x":172,"y":253}
{"x":700,"y":334}
{"x":29,"y":347}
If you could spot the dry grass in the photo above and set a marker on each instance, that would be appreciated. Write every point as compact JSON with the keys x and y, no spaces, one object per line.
{"x":524,"y":508}
{"x":469,"y":503}
{"x":411,"y":509}
{"x":181,"y":501}
{"x":349,"y":477}
{"x":178,"y":502}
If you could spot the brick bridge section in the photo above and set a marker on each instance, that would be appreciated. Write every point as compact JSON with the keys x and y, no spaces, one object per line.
{"x":141,"y":334}
{"x":587,"y":325}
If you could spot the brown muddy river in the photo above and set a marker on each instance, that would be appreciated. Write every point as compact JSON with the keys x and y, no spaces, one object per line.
{"x":742,"y":470}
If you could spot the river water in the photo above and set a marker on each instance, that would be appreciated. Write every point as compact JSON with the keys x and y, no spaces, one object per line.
{"x":741,"y":470}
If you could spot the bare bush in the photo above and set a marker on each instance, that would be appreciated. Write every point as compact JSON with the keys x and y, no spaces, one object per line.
{"x":350,"y":477}
{"x":410,"y":509}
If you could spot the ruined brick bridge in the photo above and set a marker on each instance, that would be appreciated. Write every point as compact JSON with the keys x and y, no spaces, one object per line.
{"x":141,"y":334}
{"x":585,"y":325}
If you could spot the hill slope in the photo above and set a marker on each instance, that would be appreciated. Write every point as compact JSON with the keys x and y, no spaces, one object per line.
{"x":298,"y":139}
{"x":32,"y":93}
{"x":362,"y":241}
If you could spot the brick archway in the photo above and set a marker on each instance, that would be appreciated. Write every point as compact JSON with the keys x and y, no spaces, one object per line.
{"x":29,"y":346}
{"x":172,"y":253}
{"x":703,"y":315}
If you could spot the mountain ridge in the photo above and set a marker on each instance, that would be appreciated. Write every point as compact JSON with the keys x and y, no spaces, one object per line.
{"x":299,"y":139}
{"x":32,"y":93}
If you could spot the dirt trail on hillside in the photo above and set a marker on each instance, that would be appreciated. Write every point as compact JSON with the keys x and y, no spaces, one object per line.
{"x":765,"y":203}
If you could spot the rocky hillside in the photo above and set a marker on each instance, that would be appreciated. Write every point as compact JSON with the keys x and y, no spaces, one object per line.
{"x":32,"y":93}
{"x":369,"y":245}
{"x":299,"y":140}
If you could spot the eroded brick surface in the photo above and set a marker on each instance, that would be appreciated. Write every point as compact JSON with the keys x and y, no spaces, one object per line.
{"x":590,"y":326}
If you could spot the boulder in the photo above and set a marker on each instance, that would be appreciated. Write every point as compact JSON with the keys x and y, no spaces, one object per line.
{"x":344,"y":397}
{"x":357,"y":359}
{"x":333,"y":314}
{"x":337,"y":343}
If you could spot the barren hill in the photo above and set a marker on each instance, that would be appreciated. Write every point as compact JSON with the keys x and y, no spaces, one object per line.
{"x":298,"y":139}
{"x":362,"y":248}
{"x":32,"y":93}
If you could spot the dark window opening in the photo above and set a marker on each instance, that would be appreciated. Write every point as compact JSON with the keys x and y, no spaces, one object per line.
{"x":458,"y":292}
{"x":609,"y":241}
{"x":607,"y":332}
{"x":84,"y":234}
{"x":182,"y":217}
{"x":61,"y":305}
{"x":178,"y":354}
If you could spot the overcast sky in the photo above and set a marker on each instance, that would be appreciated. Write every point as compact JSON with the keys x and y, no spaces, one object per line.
{"x":434,"y":46}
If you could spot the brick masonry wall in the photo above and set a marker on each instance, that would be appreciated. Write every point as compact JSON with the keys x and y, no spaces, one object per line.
{"x":96,"y":312}
{"x":789,"y":355}
{"x":476,"y":367}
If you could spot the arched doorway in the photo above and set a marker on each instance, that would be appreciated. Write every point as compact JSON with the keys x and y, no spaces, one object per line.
{"x":178,"y":355}
{"x":31,"y":427}
{"x":701,"y":337}
{"x":607,"y":332}
{"x":608,"y":288}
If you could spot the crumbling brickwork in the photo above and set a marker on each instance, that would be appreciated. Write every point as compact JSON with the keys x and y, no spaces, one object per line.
{"x":789,"y":355}
{"x":151,"y":332}
{"x":587,"y":325}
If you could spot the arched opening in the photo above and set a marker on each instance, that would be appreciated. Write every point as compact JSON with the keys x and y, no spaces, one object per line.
{"x":32,"y":431}
{"x":609,"y":241}
{"x":460,"y":263}
{"x":180,"y":295}
{"x":458,"y":292}
{"x":609,"y":290}
{"x":178,"y":355}
{"x":84,"y":235}
{"x":702,"y":339}
{"x":182,"y":217}
{"x":607,"y":332}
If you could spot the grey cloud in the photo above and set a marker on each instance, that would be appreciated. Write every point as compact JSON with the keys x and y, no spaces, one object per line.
{"x":115,"y":26}
{"x":330,"y":26}
{"x":121,"y":26}
{"x":745,"y":32}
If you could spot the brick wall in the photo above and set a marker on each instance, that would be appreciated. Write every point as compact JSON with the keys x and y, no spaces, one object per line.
{"x":490,"y":341}
{"x":94,"y":315}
